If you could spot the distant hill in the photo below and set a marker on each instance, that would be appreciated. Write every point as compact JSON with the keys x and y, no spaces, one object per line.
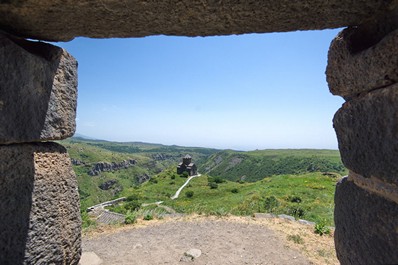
{"x":82,"y":136}
{"x":255,"y":165}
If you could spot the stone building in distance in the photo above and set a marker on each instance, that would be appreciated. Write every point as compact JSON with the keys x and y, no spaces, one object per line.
{"x":187,"y":166}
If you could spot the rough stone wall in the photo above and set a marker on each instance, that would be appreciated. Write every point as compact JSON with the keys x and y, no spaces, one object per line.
{"x":39,"y":201}
{"x":38,"y":102}
{"x":363,"y":68}
{"x":38,"y":91}
{"x":64,"y":20}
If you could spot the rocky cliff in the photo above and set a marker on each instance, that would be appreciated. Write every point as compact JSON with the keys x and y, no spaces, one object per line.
{"x":105,"y":166}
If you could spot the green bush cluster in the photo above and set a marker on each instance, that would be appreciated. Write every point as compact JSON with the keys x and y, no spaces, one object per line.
{"x":87,"y":222}
{"x":213,"y":185}
{"x":321,"y":228}
{"x":132,"y":203}
{"x":148,"y":217}
{"x":297,"y":212}
{"x":217,"y":180}
{"x":153,"y":180}
{"x":184,"y":174}
{"x":271,"y":204}
{"x":189,"y":194}
{"x":131,"y":217}
{"x":295,"y":199}
{"x":234,"y":190}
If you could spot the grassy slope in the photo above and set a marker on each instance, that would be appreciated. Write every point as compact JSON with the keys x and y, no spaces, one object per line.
{"x":260,"y":167}
{"x":314,"y":189}
{"x":93,"y":151}
{"x":256,"y":165}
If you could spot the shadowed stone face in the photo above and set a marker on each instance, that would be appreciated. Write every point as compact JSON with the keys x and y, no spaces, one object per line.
{"x":351,"y":72}
{"x":366,"y":226}
{"x":39,"y":205}
{"x":63,"y":20}
{"x":38,"y":91}
{"x":367,"y":132}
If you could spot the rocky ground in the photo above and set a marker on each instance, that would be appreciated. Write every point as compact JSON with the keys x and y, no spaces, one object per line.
{"x":208,"y":240}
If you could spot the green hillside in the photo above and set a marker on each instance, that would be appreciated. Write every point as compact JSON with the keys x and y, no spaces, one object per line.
{"x":256,"y":165}
{"x":295,"y":182}
{"x":308,"y":196}
{"x":150,"y":159}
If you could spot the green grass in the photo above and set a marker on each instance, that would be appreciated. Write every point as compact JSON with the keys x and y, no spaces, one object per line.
{"x":314,"y":190}
{"x":277,"y":181}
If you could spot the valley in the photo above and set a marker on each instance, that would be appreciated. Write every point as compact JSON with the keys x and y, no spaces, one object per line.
{"x":300,"y":183}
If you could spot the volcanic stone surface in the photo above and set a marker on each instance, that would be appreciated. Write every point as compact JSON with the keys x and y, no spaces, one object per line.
{"x":367,"y":133}
{"x":39,"y":205}
{"x":63,"y":20}
{"x":38,"y":91}
{"x":354,"y":68}
{"x":366,"y":226}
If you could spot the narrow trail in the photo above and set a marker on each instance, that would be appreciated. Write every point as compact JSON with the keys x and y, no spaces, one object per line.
{"x":158,"y":204}
{"x":175,"y":196}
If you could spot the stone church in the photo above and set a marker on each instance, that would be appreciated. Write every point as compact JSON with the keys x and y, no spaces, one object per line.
{"x":187,"y":166}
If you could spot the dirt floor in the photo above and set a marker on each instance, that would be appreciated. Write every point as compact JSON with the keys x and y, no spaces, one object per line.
{"x":226,"y":240}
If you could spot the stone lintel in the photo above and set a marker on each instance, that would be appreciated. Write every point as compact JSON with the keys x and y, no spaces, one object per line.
{"x":60,"y":20}
{"x":366,"y":226}
{"x":38,"y":91}
{"x":367,"y":133}
{"x":39,"y":205}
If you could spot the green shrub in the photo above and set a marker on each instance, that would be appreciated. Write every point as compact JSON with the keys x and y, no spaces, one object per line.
{"x":131,"y":217}
{"x":217,"y":180}
{"x":184,"y":174}
{"x":321,"y":228}
{"x":295,"y":199}
{"x":172,"y":182}
{"x":189,"y":194}
{"x":213,"y":185}
{"x":153,"y":181}
{"x":132,"y":206}
{"x":297,"y":212}
{"x":219,"y":212}
{"x":234,"y":190}
{"x":250,"y":205}
{"x":148,"y":217}
{"x":270,"y":204}
{"x":172,"y":176}
{"x":87,"y":221}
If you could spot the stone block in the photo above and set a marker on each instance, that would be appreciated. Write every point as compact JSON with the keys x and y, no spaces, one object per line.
{"x":38,"y":91}
{"x":366,"y":226}
{"x":367,"y":133}
{"x":357,"y":64}
{"x":63,"y":20}
{"x":39,"y":205}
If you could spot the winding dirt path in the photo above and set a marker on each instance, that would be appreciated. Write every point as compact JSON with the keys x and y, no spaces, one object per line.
{"x":175,"y":196}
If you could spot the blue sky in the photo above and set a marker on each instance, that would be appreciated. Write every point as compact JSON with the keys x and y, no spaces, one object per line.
{"x":245,"y":92}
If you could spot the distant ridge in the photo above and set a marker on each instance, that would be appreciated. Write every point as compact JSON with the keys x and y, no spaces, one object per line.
{"x":78,"y":135}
